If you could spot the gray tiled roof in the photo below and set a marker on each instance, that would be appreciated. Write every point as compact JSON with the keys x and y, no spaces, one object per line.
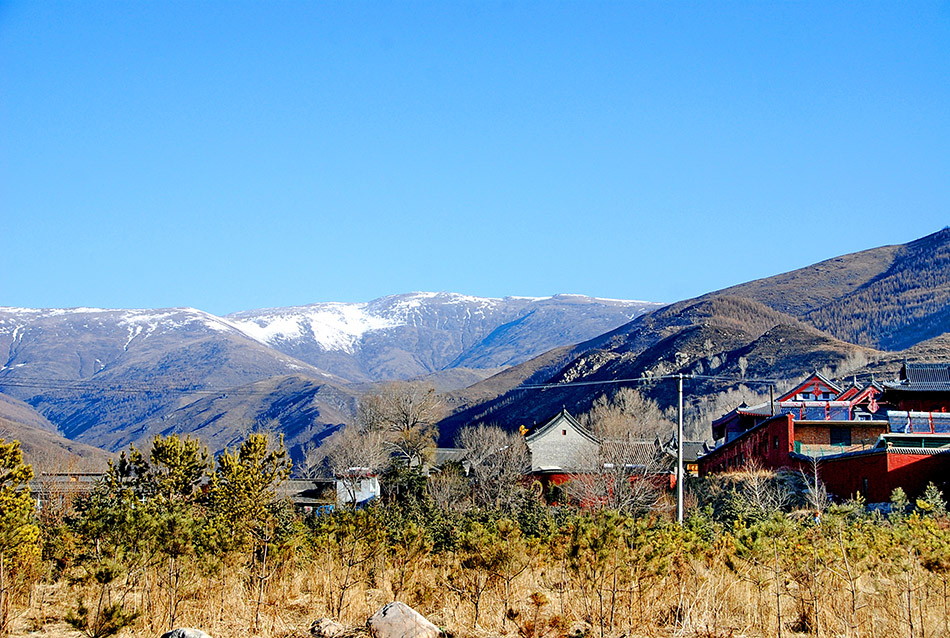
{"x":922,"y":377}
{"x":926,"y":373}
{"x":539,"y":431}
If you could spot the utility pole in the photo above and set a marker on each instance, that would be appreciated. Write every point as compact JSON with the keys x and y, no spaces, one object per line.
{"x":679,"y":455}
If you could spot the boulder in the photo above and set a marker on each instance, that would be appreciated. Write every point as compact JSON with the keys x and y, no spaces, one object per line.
{"x":399,"y":620}
{"x":579,"y":629}
{"x":326,"y":628}
{"x":185,"y":632}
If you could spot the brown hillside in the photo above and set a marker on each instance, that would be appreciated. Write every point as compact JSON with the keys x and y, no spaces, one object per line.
{"x":302,"y":409}
{"x":687,"y":337}
{"x":888,"y":298}
{"x":42,"y":447}
{"x":907,"y":304}
{"x":802,"y":291}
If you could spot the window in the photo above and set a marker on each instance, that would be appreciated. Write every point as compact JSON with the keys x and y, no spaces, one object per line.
{"x":563,"y":432}
{"x":841,"y":436}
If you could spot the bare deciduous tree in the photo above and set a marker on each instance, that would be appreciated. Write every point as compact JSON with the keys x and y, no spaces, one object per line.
{"x":817,"y":494}
{"x":406,"y":413}
{"x":354,"y":452}
{"x":760,"y":492}
{"x":497,"y":462}
{"x":449,"y":488}
{"x":626,"y":415}
{"x":625,"y":476}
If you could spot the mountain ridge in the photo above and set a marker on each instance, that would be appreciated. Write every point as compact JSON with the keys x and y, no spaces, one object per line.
{"x":780,"y":327}
{"x":100,"y":375}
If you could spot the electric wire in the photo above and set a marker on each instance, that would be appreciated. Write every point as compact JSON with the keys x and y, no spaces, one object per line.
{"x":65,"y":385}
{"x":60,"y":385}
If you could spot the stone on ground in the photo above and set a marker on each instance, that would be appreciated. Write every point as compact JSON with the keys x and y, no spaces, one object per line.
{"x":185,"y":632}
{"x":399,"y":620}
{"x":326,"y":628}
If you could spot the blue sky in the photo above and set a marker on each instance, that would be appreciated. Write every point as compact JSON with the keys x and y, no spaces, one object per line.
{"x":229,"y":156}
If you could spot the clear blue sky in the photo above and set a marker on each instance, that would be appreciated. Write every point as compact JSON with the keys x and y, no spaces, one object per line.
{"x":229,"y":156}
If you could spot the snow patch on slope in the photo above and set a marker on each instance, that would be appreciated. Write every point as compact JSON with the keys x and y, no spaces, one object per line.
{"x":136,"y":320}
{"x":334,"y":326}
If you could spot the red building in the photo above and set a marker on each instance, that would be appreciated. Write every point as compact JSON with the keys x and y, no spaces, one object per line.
{"x":921,"y":387}
{"x":857,"y":443}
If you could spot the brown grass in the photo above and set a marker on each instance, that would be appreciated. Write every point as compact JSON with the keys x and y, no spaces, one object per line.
{"x":700,"y":598}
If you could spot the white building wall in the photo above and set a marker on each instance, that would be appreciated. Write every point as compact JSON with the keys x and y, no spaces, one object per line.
{"x":562,"y":447}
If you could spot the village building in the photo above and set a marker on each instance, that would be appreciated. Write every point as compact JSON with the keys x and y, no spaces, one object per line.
{"x":310,"y":496}
{"x":922,"y":388}
{"x":868,"y":440}
{"x":562,"y":449}
{"x":562,"y":446}
{"x":357,"y":487}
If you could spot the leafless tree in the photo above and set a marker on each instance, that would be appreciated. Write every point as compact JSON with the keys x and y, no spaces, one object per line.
{"x":353,"y":453}
{"x":406,"y":414}
{"x":626,"y":415}
{"x":625,"y":475}
{"x":762,"y":491}
{"x":701,"y":413}
{"x":817,"y":496}
{"x":449,"y":488}
{"x":497,"y":462}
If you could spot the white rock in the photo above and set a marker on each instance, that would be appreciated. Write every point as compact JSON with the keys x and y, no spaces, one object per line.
{"x":185,"y":632}
{"x":326,"y":628}
{"x":399,"y":620}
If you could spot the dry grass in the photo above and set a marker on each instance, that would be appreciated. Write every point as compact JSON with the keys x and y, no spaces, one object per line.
{"x":852,"y":578}
{"x":702,"y":600}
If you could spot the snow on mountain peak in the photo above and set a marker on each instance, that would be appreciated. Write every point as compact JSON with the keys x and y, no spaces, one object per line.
{"x":334,"y":326}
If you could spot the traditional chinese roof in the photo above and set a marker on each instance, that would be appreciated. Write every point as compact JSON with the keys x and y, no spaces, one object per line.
{"x":443,"y":455}
{"x":636,"y":455}
{"x":816,"y":383}
{"x":692,"y":450}
{"x":922,"y":377}
{"x":763,"y":410}
{"x":874,"y":388}
{"x":562,"y":417}
{"x":849,"y":393}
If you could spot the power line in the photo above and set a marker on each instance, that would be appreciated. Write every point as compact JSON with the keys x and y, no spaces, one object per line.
{"x":91,"y":386}
{"x":662,"y":377}
{"x":65,"y":386}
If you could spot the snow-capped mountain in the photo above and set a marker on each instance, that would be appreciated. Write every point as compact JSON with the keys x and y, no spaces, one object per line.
{"x":402,"y":336}
{"x":92,"y":372}
{"x":107,"y":376}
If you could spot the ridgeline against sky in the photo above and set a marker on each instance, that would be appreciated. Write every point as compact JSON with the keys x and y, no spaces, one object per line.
{"x":228,"y":155}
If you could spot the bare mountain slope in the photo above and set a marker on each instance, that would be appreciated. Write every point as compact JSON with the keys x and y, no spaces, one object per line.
{"x":838,"y":314}
{"x":889,"y":298}
{"x":42,"y":448}
{"x":414,"y":334}
{"x":96,"y":373}
{"x":304,"y":410}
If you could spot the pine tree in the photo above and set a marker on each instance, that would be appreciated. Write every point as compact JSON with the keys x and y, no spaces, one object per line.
{"x":19,"y":534}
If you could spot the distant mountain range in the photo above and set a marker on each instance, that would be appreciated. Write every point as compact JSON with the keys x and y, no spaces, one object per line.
{"x":111,"y":377}
{"x":108,"y":377}
{"x":404,"y":336}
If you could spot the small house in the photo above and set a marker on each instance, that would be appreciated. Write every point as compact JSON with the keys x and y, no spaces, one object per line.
{"x":561,"y":445}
